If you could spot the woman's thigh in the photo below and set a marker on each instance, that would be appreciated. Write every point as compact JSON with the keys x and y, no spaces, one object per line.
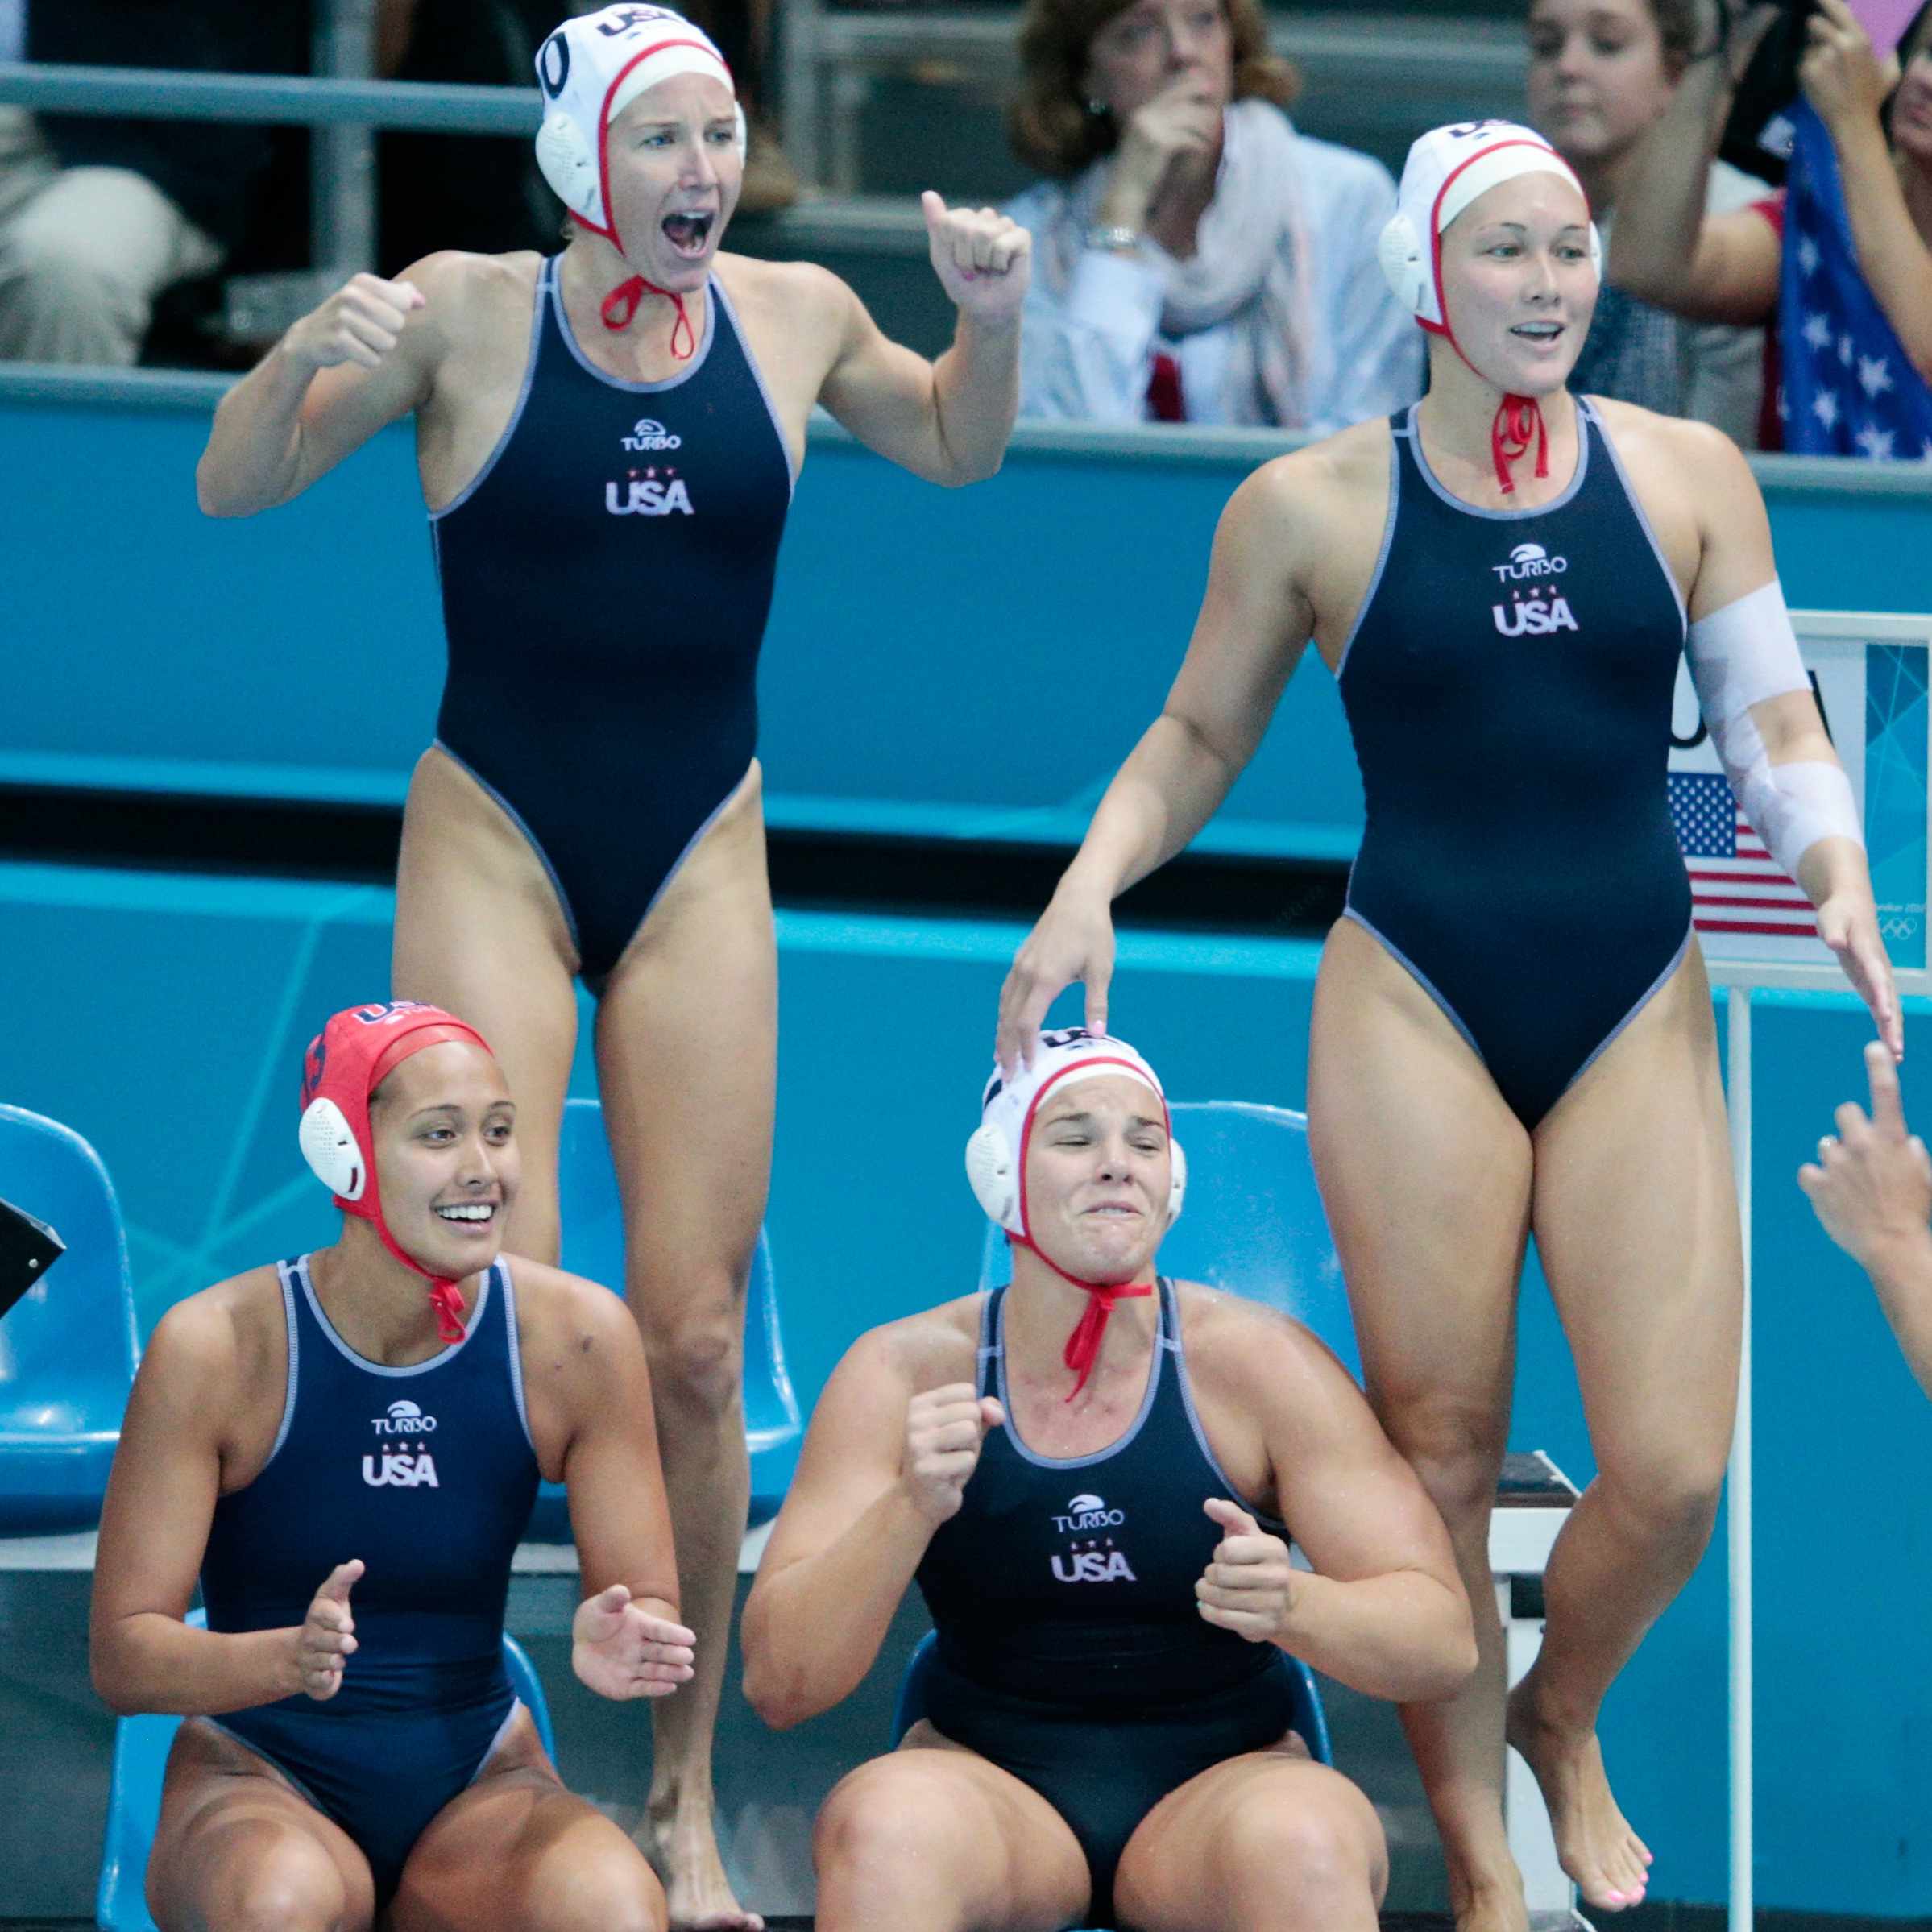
{"x":479,"y":930}
{"x":1268,"y":1838}
{"x":1635,"y":1217}
{"x":686,"y":1055}
{"x":238,"y":1846}
{"x":518,"y":1852}
{"x":1425,"y":1176}
{"x":937,"y":1834}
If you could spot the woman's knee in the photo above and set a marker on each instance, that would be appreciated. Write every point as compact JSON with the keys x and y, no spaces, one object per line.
{"x":606,"y":1889}
{"x":896,"y":1814}
{"x":287,"y":1883}
{"x":1295,"y":1845}
{"x":693,"y":1336}
{"x":1663,"y":1503}
{"x":1455,"y":1447}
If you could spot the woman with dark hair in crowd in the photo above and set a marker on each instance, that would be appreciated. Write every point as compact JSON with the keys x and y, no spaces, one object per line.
{"x":1601,"y":73}
{"x":1200,"y":259}
{"x":1729,"y":267}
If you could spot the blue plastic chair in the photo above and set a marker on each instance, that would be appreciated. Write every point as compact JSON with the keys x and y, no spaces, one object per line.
{"x":134,"y":1805}
{"x":1253,"y":1223}
{"x":1310,"y":1720}
{"x":593,"y":1246}
{"x":69,"y":1347}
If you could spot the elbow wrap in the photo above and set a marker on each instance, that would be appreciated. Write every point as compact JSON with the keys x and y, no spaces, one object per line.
{"x":1740,"y":656}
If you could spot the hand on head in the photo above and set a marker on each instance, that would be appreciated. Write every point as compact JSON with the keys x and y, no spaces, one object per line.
{"x":944,"y":1427}
{"x":360,"y":323}
{"x":1072,"y":941}
{"x":327,"y":1637}
{"x":982,"y":257}
{"x":621,"y":1650}
{"x":1871,"y":1183}
{"x":1248,"y":1587}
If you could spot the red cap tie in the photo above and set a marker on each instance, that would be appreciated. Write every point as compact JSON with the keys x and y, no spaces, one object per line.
{"x":1083,"y":1348}
{"x":1509,"y":434}
{"x":621,"y":304}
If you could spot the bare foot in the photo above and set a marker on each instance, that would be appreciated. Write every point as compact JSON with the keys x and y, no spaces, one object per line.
{"x":1595,"y":1845}
{"x":682,"y":1846}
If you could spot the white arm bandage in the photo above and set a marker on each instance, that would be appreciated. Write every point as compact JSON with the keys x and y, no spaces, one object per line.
{"x":1740,"y":656}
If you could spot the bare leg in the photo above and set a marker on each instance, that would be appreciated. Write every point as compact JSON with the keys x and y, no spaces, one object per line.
{"x":479,"y":930}
{"x":1425,"y":1174}
{"x":686,"y":1048}
{"x":1268,"y":1841}
{"x":517,"y":1852}
{"x":934,"y":1839}
{"x":1636,"y":1224}
{"x":239,"y":1850}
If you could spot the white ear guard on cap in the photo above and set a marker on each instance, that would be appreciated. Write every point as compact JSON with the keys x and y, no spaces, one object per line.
{"x":1447,"y":169}
{"x":996,"y":1149}
{"x":327,"y":1145}
{"x":590,"y":70}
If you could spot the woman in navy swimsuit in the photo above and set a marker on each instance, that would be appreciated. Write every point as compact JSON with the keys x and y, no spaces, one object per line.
{"x":607,"y":441}
{"x":1512,"y":1028}
{"x":1091,"y":1475}
{"x":348,"y":1464}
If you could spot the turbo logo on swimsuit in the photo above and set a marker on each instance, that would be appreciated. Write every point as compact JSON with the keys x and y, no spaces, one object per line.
{"x":1087,"y":1512}
{"x":651,"y":435}
{"x":1543,"y":610}
{"x":402,"y":1468}
{"x":1094,"y":1564}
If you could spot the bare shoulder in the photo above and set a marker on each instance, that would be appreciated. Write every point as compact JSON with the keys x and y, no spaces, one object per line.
{"x":227,"y":1340}
{"x":1656,"y":449}
{"x":922,"y":1351}
{"x":468,"y":298}
{"x":563,"y":1320}
{"x":793,"y":292}
{"x":1304,"y":500}
{"x":1245,"y":1349}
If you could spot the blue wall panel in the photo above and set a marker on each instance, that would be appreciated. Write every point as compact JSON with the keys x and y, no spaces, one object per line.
{"x":163,"y":1019}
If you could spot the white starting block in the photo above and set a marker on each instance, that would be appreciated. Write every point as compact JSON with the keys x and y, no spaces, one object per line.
{"x":1533,"y":1501}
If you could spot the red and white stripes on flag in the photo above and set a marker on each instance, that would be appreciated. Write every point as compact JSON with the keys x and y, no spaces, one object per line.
{"x":1736,"y":886}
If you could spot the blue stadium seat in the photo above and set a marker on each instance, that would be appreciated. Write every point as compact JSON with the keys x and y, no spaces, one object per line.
{"x":1310,"y":1719}
{"x":134,"y":1806}
{"x":69,"y":1347}
{"x":593,"y":1246}
{"x":1253,"y":1224}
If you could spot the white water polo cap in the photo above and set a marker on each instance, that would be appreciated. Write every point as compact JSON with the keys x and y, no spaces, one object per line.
{"x":590,"y":70}
{"x":996,"y":1155}
{"x":1447,"y":169}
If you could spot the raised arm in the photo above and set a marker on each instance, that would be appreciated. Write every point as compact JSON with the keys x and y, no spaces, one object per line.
{"x":1663,"y":248}
{"x":948,"y":421}
{"x":367,"y":357}
{"x":1844,"y":82}
{"x":1254,"y":625}
{"x":1384,"y":1609}
{"x":882,"y":1467}
{"x":154,"y":1529}
{"x":1765,"y":721}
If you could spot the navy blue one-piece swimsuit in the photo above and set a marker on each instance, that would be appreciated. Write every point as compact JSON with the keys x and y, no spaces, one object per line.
{"x":427,"y":1474}
{"x":606,"y":581}
{"x":1071,"y":1649}
{"x":1509,"y":685}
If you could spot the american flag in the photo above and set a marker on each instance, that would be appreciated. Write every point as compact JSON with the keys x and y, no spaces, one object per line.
{"x":1735,"y":884}
{"x":1849,"y":387}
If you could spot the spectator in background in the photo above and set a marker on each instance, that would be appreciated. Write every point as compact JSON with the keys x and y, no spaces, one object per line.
{"x":1601,"y":73}
{"x":1196,"y":259}
{"x":1870,"y":213}
{"x":97,"y":216}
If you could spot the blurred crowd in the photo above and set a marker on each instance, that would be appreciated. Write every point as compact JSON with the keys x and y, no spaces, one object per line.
{"x":1201,"y":259}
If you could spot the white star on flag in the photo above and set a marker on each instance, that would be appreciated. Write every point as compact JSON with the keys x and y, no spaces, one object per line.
{"x":1807,"y":255}
{"x":1818,"y":331}
{"x":1824,"y":406}
{"x":1874,"y":374}
{"x":1875,"y":443}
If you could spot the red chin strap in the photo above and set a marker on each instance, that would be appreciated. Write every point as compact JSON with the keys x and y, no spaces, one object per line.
{"x":1509,"y":434}
{"x":1083,"y":1348}
{"x":621,"y":304}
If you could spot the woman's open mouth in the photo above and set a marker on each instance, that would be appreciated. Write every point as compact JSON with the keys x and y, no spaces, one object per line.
{"x":689,"y":233}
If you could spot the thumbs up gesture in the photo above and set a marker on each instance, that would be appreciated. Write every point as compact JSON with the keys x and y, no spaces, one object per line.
{"x":1249,"y":1585}
{"x":327,"y":1636}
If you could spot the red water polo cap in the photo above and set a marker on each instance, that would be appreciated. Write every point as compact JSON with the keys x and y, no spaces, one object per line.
{"x":344,"y":1064}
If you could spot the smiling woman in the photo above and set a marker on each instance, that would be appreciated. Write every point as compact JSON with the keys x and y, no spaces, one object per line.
{"x":354,"y":1748}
